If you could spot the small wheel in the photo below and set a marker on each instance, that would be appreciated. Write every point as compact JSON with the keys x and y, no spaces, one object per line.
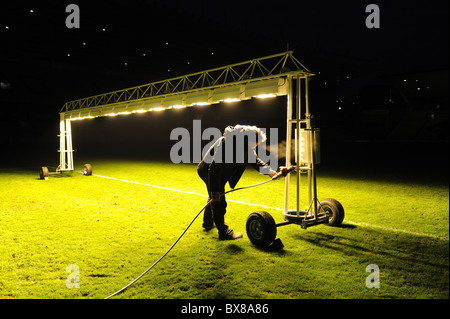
{"x":334,"y":210}
{"x":43,"y":173}
{"x":261,"y":228}
{"x":87,"y":169}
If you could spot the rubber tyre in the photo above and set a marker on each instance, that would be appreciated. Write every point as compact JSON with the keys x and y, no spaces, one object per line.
{"x":334,"y":209}
{"x":43,"y":173}
{"x":87,"y":171}
{"x":261,"y":229}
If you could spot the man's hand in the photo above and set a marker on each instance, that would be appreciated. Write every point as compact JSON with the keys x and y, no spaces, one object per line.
{"x":283,"y":172}
{"x":272,"y":173}
{"x":215,"y":196}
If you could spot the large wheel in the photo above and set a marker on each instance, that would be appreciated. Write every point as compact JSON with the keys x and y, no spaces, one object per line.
{"x":43,"y":173}
{"x":261,"y":229}
{"x":333,"y":209}
{"x":87,"y":169}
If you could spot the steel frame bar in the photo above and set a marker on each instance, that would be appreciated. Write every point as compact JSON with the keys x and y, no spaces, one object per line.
{"x":217,"y":77}
{"x":300,"y":100}
{"x":65,"y":146}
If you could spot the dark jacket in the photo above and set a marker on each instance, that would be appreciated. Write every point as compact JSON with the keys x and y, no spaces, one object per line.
{"x":216,"y":172}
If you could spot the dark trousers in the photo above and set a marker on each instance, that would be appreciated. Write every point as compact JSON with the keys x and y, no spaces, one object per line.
{"x":215,"y":212}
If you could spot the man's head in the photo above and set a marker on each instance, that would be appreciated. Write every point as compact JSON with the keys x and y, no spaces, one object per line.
{"x":260,"y":136}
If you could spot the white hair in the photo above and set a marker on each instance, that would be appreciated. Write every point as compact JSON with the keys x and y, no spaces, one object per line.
{"x":261,"y":136}
{"x":237,"y":129}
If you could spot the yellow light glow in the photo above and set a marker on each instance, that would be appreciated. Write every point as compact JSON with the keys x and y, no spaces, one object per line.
{"x":201,"y":104}
{"x":82,"y":118}
{"x":111,"y":114}
{"x":157,"y":109}
{"x":231,"y":100}
{"x":303,"y":146}
{"x":265,"y":96}
{"x":178,"y":106}
{"x":124,"y":113}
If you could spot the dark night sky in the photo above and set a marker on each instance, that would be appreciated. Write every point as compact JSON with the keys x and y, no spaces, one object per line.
{"x":44,"y":64}
{"x":412,"y":33}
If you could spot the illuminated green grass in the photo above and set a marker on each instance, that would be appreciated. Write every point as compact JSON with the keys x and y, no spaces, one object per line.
{"x":115,"y":230}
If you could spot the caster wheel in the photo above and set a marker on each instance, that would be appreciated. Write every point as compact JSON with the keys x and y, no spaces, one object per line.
{"x":333,"y":209}
{"x":43,"y":173}
{"x":87,"y":169}
{"x":261,"y":229}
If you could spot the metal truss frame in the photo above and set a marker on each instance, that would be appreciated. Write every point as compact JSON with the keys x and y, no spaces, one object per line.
{"x":269,"y":67}
{"x":239,"y":81}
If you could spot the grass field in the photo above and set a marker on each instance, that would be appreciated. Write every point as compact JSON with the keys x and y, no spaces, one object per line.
{"x":113,"y":230}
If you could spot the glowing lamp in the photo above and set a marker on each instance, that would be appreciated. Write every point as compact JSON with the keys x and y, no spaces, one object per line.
{"x":227,"y":94}
{"x":302,"y":147}
{"x":230,"y":100}
{"x":265,"y":96}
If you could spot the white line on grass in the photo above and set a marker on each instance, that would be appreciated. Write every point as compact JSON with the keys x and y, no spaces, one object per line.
{"x":396,"y":230}
{"x":150,"y":185}
{"x":275,"y":208}
{"x":182,"y":191}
